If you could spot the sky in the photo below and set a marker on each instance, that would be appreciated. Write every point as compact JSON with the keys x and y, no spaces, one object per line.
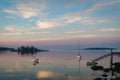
{"x":56,"y":24}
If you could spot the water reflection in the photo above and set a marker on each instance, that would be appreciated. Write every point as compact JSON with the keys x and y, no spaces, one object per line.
{"x":45,"y":74}
{"x":27,"y":54}
{"x":32,"y":57}
{"x":54,"y":65}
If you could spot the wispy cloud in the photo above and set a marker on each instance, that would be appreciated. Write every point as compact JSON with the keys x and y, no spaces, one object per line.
{"x":26,"y":9}
{"x":71,"y":19}
{"x":37,"y":32}
{"x":10,"y":34}
{"x":91,"y":20}
{"x":11,"y":28}
{"x":47,"y":39}
{"x":77,"y":17}
{"x":100,"y":5}
{"x":75,"y":32}
{"x":17,"y":30}
{"x":67,"y":37}
{"x":85,"y":36}
{"x":46,"y":24}
{"x":110,"y":29}
{"x":67,"y":19}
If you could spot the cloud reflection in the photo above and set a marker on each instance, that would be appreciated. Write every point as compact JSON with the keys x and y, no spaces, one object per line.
{"x":45,"y":74}
{"x":16,"y":68}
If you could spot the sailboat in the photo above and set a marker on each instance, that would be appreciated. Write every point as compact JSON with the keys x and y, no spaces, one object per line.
{"x":79,"y":57}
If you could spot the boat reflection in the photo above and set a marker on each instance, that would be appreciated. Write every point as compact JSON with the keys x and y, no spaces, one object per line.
{"x":33,"y":59}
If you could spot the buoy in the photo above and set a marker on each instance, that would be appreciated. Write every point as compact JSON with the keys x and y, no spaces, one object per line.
{"x":78,"y":57}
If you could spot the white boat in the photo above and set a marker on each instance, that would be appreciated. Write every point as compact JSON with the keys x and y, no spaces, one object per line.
{"x":79,"y":57}
{"x":34,"y":59}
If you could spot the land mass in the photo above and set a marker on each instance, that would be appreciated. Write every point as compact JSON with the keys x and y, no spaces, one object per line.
{"x":5,"y":49}
{"x":99,"y":48}
{"x":24,"y":49}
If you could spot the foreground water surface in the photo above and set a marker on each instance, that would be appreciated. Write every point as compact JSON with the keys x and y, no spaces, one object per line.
{"x":53,"y":65}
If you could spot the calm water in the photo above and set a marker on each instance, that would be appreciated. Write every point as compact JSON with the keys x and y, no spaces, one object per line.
{"x":53,"y":65}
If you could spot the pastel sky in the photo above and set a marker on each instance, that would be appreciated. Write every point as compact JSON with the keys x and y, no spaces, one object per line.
{"x":60,"y":23}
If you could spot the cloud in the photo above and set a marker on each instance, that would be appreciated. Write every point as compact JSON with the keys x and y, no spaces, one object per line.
{"x":109,"y":29}
{"x":85,"y":36}
{"x":71,"y":19}
{"x":18,"y":30}
{"x":46,"y":24}
{"x":14,"y":28}
{"x":68,"y":19}
{"x":38,"y":32}
{"x":100,"y":5}
{"x":66,"y":37}
{"x":79,"y":18}
{"x":10,"y":34}
{"x":75,"y":32}
{"x":9,"y":28}
{"x":47,"y":39}
{"x":27,"y":9}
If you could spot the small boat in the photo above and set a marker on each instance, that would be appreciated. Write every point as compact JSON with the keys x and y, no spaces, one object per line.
{"x":34,"y":59}
{"x":79,"y":57}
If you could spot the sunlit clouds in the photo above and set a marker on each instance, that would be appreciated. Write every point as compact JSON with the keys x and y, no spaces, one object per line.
{"x":75,"y":32}
{"x":46,"y":25}
{"x":110,"y":29}
{"x":14,"y":28}
{"x":101,"y":5}
{"x":26,"y":9}
{"x":44,"y":20}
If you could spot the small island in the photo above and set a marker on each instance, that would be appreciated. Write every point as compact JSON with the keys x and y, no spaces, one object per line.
{"x":23,"y":49}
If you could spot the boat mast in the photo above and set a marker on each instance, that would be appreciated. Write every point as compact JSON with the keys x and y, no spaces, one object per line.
{"x":111,"y":63}
{"x":79,"y":58}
